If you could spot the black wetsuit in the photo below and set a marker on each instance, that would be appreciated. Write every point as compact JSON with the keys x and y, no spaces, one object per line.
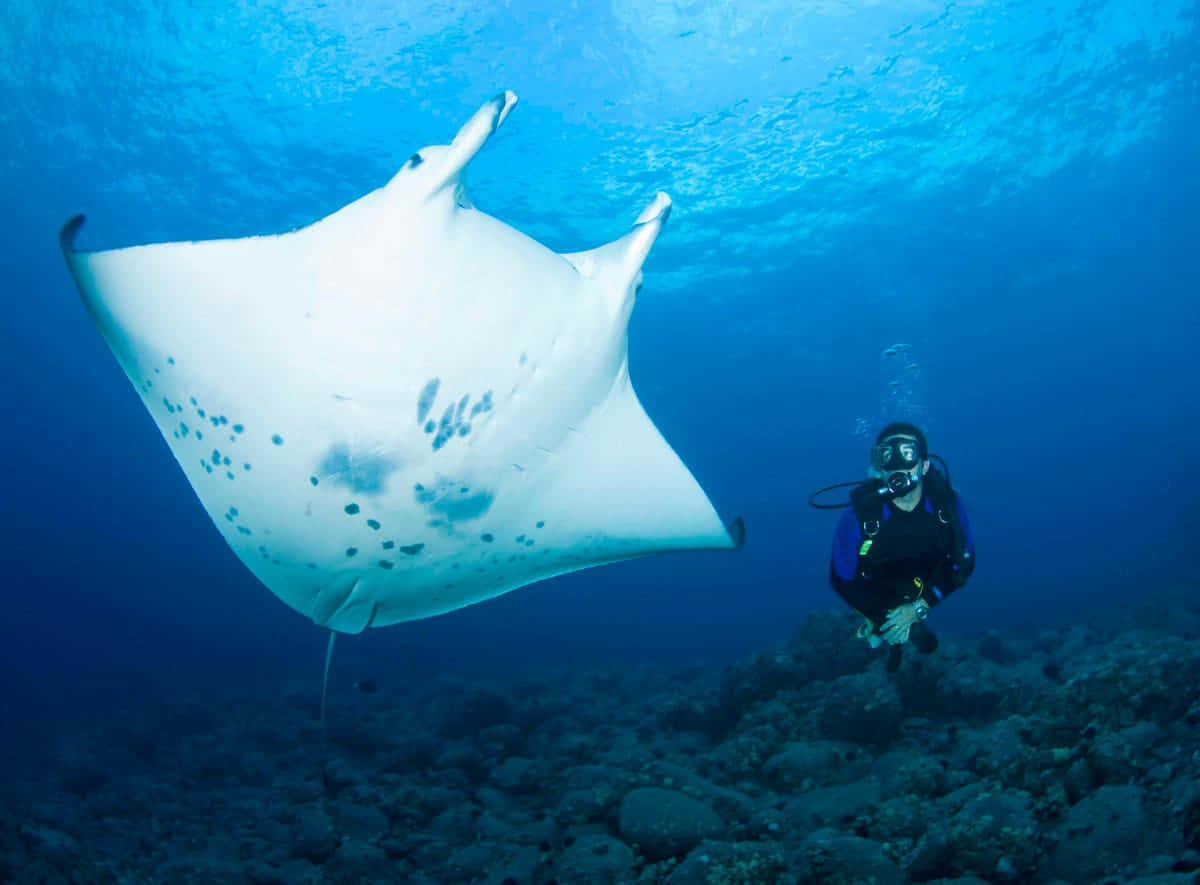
{"x":906,"y":547}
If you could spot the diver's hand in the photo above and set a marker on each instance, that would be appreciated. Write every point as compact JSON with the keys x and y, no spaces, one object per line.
{"x":900,"y":620}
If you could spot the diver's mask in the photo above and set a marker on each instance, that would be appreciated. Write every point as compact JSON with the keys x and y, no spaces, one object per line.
{"x":897,"y":459}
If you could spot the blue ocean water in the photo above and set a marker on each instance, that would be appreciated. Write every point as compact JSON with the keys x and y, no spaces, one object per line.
{"x":980,"y":216}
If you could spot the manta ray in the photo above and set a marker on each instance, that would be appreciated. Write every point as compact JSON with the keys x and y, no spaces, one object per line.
{"x":405,"y":407}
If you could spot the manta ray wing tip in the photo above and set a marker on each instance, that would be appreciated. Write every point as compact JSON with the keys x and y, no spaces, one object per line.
{"x":470,"y":138}
{"x":503,"y":104}
{"x":67,"y":233}
{"x":737,"y":533}
{"x":659,"y":209}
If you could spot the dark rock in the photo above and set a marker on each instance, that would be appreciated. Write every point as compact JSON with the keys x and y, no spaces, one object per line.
{"x":500,"y":739}
{"x":826,"y":856}
{"x":969,"y":687}
{"x":473,"y":712}
{"x":904,"y":817}
{"x":469,"y":863}
{"x":822,"y":649}
{"x":1102,"y":834}
{"x":1135,"y":678}
{"x":992,"y":647}
{"x":1190,"y":819}
{"x":519,"y":865}
{"x":498,"y":802}
{"x":1122,"y":756}
{"x":903,"y":773}
{"x":995,"y":836}
{"x":595,"y":859}
{"x":932,"y":857}
{"x":357,"y":861}
{"x":301,"y":792}
{"x":412,"y":754}
{"x":585,"y":806}
{"x":835,"y":807}
{"x":313,"y":835}
{"x":802,"y":765}
{"x":337,"y":775}
{"x":360,"y":738}
{"x":666,"y":823}
{"x":996,"y":750}
{"x":1189,"y":861}
{"x":864,"y":708}
{"x":731,"y":863}
{"x":359,"y":821}
{"x":731,"y":805}
{"x":83,"y":780}
{"x":517,"y":774}
{"x":260,"y":873}
{"x":57,"y":848}
{"x":455,"y":824}
{"x":463,"y":757}
{"x":691,"y":714}
{"x":1079,"y":780}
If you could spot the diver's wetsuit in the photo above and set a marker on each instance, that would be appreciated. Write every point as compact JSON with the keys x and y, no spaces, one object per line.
{"x":907,"y":545}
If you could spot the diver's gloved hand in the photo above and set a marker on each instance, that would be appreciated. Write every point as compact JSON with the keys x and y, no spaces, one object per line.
{"x":900,"y":620}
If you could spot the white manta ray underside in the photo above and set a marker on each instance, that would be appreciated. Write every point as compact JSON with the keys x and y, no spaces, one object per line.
{"x":405,"y":407}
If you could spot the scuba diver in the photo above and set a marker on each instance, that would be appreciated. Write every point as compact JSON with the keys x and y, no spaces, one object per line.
{"x":903,"y":543}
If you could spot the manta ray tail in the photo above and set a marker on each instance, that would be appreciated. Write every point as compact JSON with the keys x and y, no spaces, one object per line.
{"x":325,"y":678}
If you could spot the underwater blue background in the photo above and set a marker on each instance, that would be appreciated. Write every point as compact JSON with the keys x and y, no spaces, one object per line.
{"x":1007,"y":191}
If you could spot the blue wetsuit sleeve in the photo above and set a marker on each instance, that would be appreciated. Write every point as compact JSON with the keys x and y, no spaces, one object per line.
{"x":846,"y":541}
{"x":843,"y":569}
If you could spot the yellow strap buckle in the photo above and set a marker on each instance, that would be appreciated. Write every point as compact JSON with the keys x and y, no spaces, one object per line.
{"x":866,"y":545}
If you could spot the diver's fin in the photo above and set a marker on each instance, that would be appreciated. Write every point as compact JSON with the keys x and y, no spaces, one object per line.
{"x":325,"y":678}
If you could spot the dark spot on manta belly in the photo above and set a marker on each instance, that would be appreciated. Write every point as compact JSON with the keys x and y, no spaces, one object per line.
{"x":450,"y":501}
{"x":412,"y":549}
{"x":427,"y":396}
